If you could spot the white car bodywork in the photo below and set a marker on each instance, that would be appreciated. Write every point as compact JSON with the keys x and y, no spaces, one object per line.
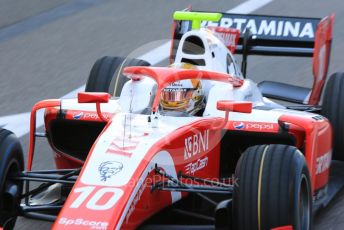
{"x":137,"y":96}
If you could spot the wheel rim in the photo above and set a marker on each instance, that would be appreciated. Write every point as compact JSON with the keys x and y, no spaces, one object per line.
{"x":304,"y":204}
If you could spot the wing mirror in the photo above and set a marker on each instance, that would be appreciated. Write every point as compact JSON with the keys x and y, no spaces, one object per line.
{"x":232,"y":106}
{"x":88,"y":97}
{"x":98,"y":98}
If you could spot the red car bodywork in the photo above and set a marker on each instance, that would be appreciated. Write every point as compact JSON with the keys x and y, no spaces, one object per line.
{"x":138,"y":203}
{"x":129,"y":205}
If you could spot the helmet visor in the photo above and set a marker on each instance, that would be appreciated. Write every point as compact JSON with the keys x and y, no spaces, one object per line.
{"x":176,"y":95}
{"x":176,"y":98}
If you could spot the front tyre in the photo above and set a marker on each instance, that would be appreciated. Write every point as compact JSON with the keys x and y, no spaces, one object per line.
{"x":11,"y":163}
{"x":272,"y":189}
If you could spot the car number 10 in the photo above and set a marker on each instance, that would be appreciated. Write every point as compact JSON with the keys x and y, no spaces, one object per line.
{"x":93,"y":200}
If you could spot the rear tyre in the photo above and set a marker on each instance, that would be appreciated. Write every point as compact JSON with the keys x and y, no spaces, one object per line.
{"x":333,"y":109}
{"x":272,"y":189}
{"x":106,"y":74}
{"x":11,"y":163}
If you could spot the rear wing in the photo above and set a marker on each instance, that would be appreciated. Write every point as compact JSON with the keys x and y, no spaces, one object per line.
{"x":270,"y":35}
{"x":274,"y":36}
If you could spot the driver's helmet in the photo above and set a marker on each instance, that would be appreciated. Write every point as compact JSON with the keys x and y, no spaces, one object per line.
{"x":185,"y":96}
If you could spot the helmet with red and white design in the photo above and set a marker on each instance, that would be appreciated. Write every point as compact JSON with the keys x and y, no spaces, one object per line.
{"x":183,"y":96}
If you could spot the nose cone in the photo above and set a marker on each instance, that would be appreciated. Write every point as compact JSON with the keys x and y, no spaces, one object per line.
{"x":113,"y":190}
{"x":122,"y":207}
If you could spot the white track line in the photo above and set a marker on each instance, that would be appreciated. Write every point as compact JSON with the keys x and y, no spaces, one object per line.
{"x":249,"y":6}
{"x":19,"y":123}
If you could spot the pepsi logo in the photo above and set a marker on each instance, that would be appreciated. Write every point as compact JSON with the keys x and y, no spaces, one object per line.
{"x":239,"y":125}
{"x":78,"y":115}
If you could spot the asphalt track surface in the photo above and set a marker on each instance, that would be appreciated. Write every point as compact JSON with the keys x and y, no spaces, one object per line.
{"x":47,"y":49}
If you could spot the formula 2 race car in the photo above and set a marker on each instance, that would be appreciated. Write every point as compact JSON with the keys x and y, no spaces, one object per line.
{"x":243,"y":161}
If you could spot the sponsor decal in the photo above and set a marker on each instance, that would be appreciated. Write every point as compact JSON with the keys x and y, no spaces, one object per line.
{"x":83,"y":223}
{"x":318,"y":118}
{"x":94,"y":116}
{"x":238,"y":125}
{"x":323,"y":163}
{"x":271,"y":28}
{"x":196,"y":144}
{"x":175,"y":90}
{"x":229,"y":39}
{"x":124,"y":146}
{"x":229,"y":36}
{"x":260,"y":126}
{"x":193,"y":167}
{"x":108,"y":169}
{"x":78,"y":115}
{"x":135,"y":201}
{"x":177,"y":84}
{"x":254,"y":126}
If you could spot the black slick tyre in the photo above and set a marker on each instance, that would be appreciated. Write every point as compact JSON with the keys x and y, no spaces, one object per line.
{"x":11,"y":163}
{"x":106,"y":74}
{"x":333,"y":110}
{"x":272,"y":189}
